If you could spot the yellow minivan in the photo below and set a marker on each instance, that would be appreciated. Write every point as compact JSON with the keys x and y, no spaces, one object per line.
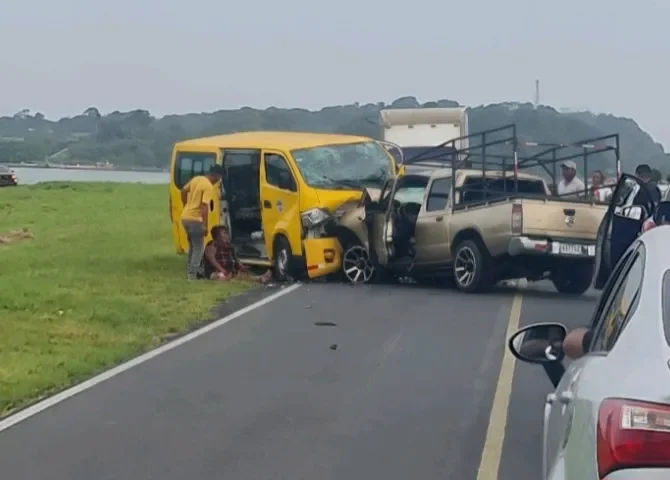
{"x":281,"y":193}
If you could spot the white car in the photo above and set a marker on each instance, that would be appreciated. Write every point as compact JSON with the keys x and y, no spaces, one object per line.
{"x":609,"y":416}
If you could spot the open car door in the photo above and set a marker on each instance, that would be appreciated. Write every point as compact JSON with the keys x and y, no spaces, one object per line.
{"x":381,"y":223}
{"x":620,"y":226}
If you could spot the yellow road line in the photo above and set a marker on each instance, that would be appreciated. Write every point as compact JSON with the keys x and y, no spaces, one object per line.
{"x":495,"y":434}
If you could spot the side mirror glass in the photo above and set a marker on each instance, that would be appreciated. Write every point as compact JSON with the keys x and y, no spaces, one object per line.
{"x":539,"y":343}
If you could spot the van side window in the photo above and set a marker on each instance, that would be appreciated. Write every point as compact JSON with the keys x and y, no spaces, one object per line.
{"x":278,"y":173}
{"x":438,"y":195}
{"x":189,"y":165}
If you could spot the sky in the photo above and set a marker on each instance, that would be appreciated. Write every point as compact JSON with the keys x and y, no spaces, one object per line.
{"x":168,"y":56}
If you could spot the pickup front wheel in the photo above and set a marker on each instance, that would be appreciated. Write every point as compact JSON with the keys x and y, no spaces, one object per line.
{"x":472,"y":267}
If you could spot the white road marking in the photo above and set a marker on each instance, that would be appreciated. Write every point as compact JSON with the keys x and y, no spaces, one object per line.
{"x":92,"y":382}
{"x":495,"y":433}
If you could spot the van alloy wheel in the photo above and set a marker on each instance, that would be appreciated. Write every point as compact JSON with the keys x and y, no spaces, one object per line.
{"x":356,"y":265}
{"x":465,"y":266}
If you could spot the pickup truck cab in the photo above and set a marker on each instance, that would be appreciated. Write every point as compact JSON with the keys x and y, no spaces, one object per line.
{"x":471,"y":226}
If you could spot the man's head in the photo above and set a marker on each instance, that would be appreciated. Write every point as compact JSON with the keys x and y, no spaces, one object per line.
{"x":643,"y":171}
{"x":221,"y":234}
{"x":569,"y":170}
{"x":215,"y":173}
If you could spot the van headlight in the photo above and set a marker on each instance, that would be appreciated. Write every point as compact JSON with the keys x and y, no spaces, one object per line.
{"x":314,"y":217}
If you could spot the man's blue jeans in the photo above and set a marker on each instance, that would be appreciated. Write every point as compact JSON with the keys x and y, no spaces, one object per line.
{"x":195,"y":234}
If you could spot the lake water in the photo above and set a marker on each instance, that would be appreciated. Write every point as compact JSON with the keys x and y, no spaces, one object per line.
{"x":28,"y":176}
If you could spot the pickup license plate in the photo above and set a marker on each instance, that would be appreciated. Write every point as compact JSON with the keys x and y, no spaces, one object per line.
{"x":572,"y":249}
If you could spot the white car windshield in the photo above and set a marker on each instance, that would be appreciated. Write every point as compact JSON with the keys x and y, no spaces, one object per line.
{"x":344,"y":166}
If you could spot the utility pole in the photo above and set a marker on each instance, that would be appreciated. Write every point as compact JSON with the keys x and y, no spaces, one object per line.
{"x":537,"y":93}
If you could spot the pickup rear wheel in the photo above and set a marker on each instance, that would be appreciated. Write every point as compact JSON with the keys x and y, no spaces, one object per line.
{"x":573,"y":278}
{"x":472,"y":267}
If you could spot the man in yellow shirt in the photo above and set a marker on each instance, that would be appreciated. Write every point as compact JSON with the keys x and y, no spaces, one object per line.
{"x":196,"y":196}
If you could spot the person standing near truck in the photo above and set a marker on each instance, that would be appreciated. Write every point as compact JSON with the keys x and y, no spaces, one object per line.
{"x":196,"y":196}
{"x":649,"y":190}
{"x":570,"y":185}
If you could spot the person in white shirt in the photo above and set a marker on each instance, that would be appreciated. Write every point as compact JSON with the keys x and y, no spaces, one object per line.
{"x":570,"y":185}
{"x":598,"y":191}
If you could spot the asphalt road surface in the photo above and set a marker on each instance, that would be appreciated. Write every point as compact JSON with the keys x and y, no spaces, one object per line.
{"x":404,"y":386}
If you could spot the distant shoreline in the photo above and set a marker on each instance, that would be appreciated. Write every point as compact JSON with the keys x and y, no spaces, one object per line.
{"x":85,"y":167}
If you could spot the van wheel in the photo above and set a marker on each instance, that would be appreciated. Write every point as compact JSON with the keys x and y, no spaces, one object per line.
{"x":282,"y":265}
{"x":472,"y":267}
{"x":573,"y":278}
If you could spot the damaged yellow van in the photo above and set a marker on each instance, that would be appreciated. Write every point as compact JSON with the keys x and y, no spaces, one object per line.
{"x":281,"y":193}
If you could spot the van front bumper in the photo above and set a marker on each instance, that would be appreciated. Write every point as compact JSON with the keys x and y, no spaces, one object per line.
{"x":322,"y":256}
{"x":567,"y":248}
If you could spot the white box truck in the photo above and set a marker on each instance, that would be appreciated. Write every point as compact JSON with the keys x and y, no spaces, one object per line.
{"x":416,"y":130}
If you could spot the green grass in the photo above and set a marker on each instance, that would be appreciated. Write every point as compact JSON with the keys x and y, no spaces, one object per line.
{"x":99,"y":283}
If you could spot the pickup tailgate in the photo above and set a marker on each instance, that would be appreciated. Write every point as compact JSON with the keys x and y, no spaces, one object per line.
{"x":561,"y":219}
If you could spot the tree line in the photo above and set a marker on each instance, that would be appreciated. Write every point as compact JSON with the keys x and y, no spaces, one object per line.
{"x":138,"y":139}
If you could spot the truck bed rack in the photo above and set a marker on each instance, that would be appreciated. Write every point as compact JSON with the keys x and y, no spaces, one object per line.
{"x":497,"y":149}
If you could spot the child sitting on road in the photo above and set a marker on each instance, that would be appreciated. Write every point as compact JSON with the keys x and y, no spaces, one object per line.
{"x":221,"y":262}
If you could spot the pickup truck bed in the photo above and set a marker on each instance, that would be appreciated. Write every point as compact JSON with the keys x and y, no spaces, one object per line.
{"x":561,"y":219}
{"x":530,"y":237}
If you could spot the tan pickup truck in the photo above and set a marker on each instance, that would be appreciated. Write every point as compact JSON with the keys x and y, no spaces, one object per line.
{"x":471,"y":226}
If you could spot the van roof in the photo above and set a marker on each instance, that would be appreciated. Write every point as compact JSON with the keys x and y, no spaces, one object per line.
{"x":274,"y":140}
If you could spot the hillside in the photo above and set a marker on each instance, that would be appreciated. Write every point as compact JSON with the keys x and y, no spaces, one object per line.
{"x":136,"y":139}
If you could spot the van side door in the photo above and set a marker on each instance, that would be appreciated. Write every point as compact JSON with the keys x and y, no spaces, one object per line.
{"x":189,"y":164}
{"x":280,"y":201}
{"x":432,"y":226}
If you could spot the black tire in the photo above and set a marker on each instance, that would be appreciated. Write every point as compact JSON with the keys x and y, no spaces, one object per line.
{"x":282,"y":264}
{"x":573,"y":279}
{"x":482,"y":278}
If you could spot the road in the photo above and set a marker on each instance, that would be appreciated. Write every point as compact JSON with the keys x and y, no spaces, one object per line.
{"x":401,"y":387}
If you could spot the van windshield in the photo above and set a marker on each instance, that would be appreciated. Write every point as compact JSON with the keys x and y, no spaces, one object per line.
{"x":346,"y":166}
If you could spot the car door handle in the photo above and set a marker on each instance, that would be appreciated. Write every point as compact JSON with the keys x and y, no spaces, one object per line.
{"x":267,"y":204}
{"x":439,"y":219}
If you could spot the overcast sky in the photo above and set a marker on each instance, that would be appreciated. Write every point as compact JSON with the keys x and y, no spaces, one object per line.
{"x":168,"y":56}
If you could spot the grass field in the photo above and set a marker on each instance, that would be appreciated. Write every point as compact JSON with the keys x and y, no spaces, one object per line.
{"x":89,"y":277}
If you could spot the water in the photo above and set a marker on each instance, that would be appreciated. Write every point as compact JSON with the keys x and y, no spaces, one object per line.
{"x":28,"y":176}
